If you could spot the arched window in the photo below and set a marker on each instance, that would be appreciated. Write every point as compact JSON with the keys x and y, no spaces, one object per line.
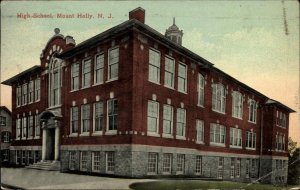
{"x":218,"y":98}
{"x":55,"y":81}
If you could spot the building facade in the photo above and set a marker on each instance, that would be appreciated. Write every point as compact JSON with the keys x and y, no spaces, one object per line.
{"x":133,"y":102}
{"x":5,"y":130}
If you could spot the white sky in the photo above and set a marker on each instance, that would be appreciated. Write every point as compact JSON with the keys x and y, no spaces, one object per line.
{"x":246,"y":39}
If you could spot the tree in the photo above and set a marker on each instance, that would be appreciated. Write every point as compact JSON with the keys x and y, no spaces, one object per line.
{"x":292,"y":145}
{"x":294,"y":168}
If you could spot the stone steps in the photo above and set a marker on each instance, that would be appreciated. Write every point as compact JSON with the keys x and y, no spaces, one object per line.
{"x":45,"y":165}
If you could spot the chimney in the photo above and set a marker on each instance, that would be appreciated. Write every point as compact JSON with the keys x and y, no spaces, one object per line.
{"x":138,"y":14}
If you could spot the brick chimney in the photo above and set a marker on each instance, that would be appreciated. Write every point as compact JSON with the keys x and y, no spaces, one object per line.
{"x":138,"y":14}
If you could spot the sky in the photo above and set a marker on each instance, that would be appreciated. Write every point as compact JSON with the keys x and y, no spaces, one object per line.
{"x":256,"y":42}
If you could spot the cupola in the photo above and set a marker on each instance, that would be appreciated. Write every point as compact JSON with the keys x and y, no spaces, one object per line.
{"x":174,"y":34}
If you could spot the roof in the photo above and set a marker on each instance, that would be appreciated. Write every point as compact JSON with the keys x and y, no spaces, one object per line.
{"x":29,"y":71}
{"x":5,"y":109}
{"x":278,"y":104}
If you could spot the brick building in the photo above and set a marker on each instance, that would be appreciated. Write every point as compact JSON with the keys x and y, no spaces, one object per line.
{"x":5,"y":131}
{"x":133,"y":102}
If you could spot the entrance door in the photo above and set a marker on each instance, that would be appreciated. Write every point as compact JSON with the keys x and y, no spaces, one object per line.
{"x":50,"y":144}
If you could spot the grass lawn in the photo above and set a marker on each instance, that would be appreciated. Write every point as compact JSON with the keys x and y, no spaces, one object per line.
{"x":200,"y":185}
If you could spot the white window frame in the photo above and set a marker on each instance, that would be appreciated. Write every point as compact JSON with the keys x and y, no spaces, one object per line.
{"x":18,"y":129}
{"x":110,"y":162}
{"x":24,"y":94}
{"x":184,"y":78}
{"x":96,"y":161}
{"x":75,"y":70}
{"x":169,"y":70}
{"x":37,"y":94}
{"x":168,"y":120}
{"x":98,"y":117}
{"x":74,"y":120}
{"x":216,"y":133}
{"x":220,"y":168}
{"x":247,"y":168}
{"x":99,"y":69}
{"x":83,"y":160}
{"x":37,"y":130}
{"x":72,"y":160}
{"x":112,"y":114}
{"x":180,"y":121}
{"x":152,"y":163}
{"x":30,"y":91}
{"x":200,"y":90}
{"x":2,"y":121}
{"x":252,"y":111}
{"x":238,"y":168}
{"x":86,"y":72}
{"x":111,"y":63}
{"x":237,"y":105}
{"x":235,"y":138}
{"x":167,"y":163}
{"x":219,"y":98}
{"x":19,"y":96}
{"x":154,"y":65}
{"x":30,"y":126}
{"x":200,"y":131}
{"x":5,"y":155}
{"x":6,"y":136}
{"x":198,"y":168}
{"x":250,"y":140}
{"x":85,"y":119}
{"x":154,"y":116}
{"x":24,"y":128}
{"x":180,"y":164}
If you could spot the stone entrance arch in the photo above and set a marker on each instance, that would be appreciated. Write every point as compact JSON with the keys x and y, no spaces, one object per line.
{"x":50,"y":121}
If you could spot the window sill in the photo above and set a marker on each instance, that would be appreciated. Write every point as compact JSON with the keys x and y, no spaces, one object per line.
{"x":151,"y":173}
{"x":74,"y":90}
{"x":108,"y":172}
{"x":111,"y":132}
{"x":169,"y":87}
{"x":240,"y":118}
{"x":253,"y":122}
{"x":85,"y":87}
{"x":110,"y":80}
{"x":217,"y":111}
{"x":179,"y":173}
{"x":97,"y":134}
{"x":165,"y":135}
{"x":183,"y":92}
{"x":201,"y":106}
{"x":153,"y":134}
{"x":36,"y":137}
{"x":237,"y":147}
{"x":56,"y":106}
{"x":217,"y":144}
{"x":73,"y":135}
{"x":199,"y":142}
{"x":97,"y":84}
{"x":84,"y":134}
{"x":180,"y":137}
{"x":247,"y":148}
{"x":154,"y":82}
{"x":166,"y":173}
{"x":37,"y":100}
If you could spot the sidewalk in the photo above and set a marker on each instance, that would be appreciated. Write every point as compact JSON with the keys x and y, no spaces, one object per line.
{"x":40,"y":179}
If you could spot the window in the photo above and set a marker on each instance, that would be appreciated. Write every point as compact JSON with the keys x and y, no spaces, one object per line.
{"x":55,"y":86}
{"x":247,"y":168}
{"x":238,"y":168}
{"x":96,"y":161}
{"x":72,"y":160}
{"x":280,"y":119}
{"x":98,"y":116}
{"x":23,"y":157}
{"x":5,"y":155}
{"x":18,"y":157}
{"x":37,"y":89}
{"x":153,"y":112}
{"x":37,"y":126}
{"x":252,"y":111}
{"x":201,"y":83}
{"x":198,"y":165}
{"x":235,"y":137}
{"x":99,"y":68}
{"x":2,"y":121}
{"x":5,"y":136}
{"x":182,"y":77}
{"x":250,"y":140}
{"x":167,"y":163}
{"x":83,"y":161}
{"x":280,"y":142}
{"x":31,"y":92}
{"x":220,"y":168}
{"x":168,"y":120}
{"x":85,"y":118}
{"x":180,"y":164}
{"x":110,"y":162}
{"x":74,"y":119}
{"x":36,"y":156}
{"x":218,"y":98}
{"x":113,"y":64}
{"x":169,"y":72}
{"x":217,"y":134}
{"x":30,"y":126}
{"x":86,"y":73}
{"x":30,"y":157}
{"x":19,"y":96}
{"x":152,"y":163}
{"x":75,"y":76}
{"x":18,"y":128}
{"x":24,"y":127}
{"x":237,"y":105}
{"x":24,"y":90}
{"x":180,"y":123}
{"x":232,"y":167}
{"x":200,"y":131}
{"x":112,"y":105}
{"x":254,"y":164}
{"x":154,"y":66}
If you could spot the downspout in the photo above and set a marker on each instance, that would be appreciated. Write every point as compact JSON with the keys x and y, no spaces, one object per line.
{"x":261,"y":141}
